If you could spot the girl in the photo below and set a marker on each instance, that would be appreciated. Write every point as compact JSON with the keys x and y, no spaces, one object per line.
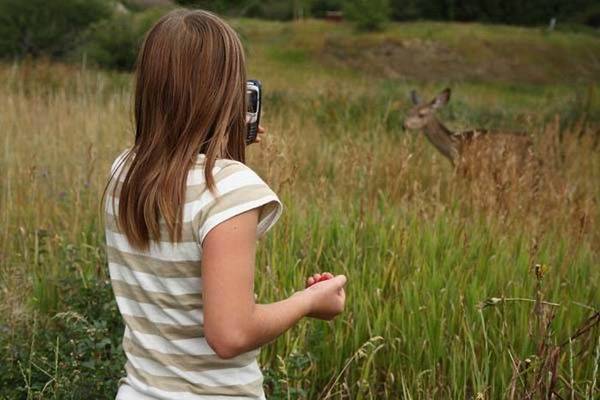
{"x":183,"y":213}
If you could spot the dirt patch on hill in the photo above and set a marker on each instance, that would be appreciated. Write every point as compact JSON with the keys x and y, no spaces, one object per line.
{"x":477,"y":60}
{"x":393,"y":58}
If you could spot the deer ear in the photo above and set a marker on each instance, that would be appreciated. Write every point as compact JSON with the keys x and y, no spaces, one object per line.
{"x":414,"y":97}
{"x":442,"y":99}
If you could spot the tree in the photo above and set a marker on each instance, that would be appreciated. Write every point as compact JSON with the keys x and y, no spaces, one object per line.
{"x":319,"y":8}
{"x":405,"y":9}
{"x":46,"y":28}
{"x":115,"y":42}
{"x":368,"y":15}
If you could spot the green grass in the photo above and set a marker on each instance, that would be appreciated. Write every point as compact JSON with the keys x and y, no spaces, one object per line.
{"x":443,"y":298}
{"x":418,"y":286}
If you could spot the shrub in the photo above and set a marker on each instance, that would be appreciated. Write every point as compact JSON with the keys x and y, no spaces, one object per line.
{"x":319,"y":8}
{"x":589,"y":16}
{"x":270,"y":9}
{"x":114,"y":42}
{"x":75,"y":354}
{"x":368,"y":15}
{"x":46,"y":28}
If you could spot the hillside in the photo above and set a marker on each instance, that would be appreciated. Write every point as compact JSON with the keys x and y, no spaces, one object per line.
{"x":433,"y":51}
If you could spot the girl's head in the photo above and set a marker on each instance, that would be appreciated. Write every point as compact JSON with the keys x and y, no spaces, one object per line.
{"x":190,"y":87}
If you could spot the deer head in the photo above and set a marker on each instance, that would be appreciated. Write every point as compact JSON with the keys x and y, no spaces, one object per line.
{"x":424,"y":113}
{"x":422,"y":117}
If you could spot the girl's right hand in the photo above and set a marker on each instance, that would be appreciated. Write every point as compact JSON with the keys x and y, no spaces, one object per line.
{"x":327,"y":298}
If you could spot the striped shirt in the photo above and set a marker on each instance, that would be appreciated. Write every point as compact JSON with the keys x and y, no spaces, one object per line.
{"x":159,"y":293}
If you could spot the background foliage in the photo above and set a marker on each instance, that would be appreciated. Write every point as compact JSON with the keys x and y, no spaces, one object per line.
{"x":46,"y":28}
{"x":369,"y":15}
{"x":108,"y":32}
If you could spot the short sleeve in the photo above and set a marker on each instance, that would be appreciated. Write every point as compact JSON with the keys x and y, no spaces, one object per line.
{"x":238,"y":189}
{"x":117,"y":165}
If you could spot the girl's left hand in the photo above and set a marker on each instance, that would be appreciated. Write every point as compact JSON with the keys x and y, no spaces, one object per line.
{"x":261,"y":131}
{"x":316,"y":278}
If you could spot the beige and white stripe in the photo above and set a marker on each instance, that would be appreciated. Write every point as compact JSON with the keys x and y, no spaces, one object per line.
{"x":159,"y":293}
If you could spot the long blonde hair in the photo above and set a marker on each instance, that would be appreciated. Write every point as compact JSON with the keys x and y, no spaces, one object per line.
{"x":190,"y":86}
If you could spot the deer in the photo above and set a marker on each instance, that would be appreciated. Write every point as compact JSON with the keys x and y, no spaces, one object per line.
{"x":471,"y":152}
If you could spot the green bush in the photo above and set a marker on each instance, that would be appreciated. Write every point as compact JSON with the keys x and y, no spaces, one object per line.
{"x":46,"y":28}
{"x":277,"y":10}
{"x":589,"y":16}
{"x":75,"y":354}
{"x":114,"y":42}
{"x":319,"y":8}
{"x":368,"y":15}
{"x":282,"y":10}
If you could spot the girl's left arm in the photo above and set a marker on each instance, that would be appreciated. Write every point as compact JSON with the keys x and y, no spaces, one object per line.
{"x":233,"y":323}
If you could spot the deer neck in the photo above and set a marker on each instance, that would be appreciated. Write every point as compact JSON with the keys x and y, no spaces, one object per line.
{"x":441,"y":138}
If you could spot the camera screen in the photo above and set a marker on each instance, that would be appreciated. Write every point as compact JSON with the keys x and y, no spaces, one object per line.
{"x":252,"y":99}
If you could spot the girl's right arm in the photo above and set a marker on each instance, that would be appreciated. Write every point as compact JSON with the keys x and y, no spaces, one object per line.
{"x":233,"y":323}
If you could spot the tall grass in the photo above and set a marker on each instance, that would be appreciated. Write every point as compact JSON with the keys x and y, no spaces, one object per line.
{"x":444,"y":299}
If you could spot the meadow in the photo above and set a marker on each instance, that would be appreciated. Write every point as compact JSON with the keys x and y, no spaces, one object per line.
{"x":457,"y":289}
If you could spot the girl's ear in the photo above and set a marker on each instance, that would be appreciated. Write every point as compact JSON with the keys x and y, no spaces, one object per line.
{"x":441,"y":99}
